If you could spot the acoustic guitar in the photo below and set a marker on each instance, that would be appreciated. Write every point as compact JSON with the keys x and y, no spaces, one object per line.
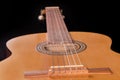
{"x":60,"y":55}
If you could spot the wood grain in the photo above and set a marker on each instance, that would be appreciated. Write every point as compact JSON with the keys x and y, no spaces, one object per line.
{"x":25,"y":57}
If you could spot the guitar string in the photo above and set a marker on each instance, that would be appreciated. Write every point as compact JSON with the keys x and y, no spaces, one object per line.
{"x":67,"y":39}
{"x":58,"y":50}
{"x":65,"y":50}
{"x":50,"y":32}
{"x":68,"y":61}
{"x":57,"y":56}
{"x":65,"y":47}
{"x":66,"y":53}
{"x":65,"y":56}
{"x":57,"y":25}
{"x":80,"y":62}
{"x":70,"y":51}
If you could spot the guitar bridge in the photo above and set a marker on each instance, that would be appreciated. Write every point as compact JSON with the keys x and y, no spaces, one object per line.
{"x":75,"y":70}
{"x":67,"y":71}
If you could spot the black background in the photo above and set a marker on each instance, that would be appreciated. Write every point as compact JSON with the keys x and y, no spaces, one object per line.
{"x":19,"y":17}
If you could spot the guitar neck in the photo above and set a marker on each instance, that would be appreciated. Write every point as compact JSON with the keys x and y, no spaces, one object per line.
{"x":56,"y":29}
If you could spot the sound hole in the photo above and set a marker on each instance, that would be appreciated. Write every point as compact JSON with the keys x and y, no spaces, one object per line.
{"x":61,"y":49}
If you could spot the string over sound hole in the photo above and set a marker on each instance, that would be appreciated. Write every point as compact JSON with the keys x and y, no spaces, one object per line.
{"x":61,"y":49}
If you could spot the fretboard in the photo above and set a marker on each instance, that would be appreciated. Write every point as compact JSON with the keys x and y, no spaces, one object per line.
{"x":56,"y":29}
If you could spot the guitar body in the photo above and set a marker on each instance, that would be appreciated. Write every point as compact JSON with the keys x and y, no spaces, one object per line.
{"x":25,"y":57}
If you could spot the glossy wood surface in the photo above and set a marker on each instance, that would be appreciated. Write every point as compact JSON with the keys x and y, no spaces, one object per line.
{"x":25,"y":57}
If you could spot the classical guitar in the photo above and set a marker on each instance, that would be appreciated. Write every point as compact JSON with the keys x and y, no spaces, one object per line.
{"x":60,"y":55}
